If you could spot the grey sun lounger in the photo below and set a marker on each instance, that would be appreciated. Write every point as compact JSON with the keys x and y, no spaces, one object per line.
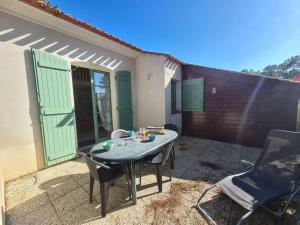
{"x":275,"y":174}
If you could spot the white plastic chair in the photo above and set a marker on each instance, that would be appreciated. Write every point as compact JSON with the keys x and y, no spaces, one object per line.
{"x":118,"y":133}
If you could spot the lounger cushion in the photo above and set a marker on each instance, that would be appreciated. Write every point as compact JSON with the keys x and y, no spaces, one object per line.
{"x":252,"y":190}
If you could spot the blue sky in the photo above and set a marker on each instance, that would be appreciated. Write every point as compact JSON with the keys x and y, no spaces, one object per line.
{"x":232,"y":34}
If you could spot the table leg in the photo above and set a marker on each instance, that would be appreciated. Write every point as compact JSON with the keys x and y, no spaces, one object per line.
{"x":133,"y":185}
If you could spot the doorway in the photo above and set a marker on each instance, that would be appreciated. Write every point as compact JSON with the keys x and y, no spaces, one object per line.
{"x":83,"y":106}
{"x":92,"y":99}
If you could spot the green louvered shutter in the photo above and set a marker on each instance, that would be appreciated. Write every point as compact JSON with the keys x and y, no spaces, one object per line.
{"x":124,"y":100}
{"x":193,"y":95}
{"x":53,"y":83}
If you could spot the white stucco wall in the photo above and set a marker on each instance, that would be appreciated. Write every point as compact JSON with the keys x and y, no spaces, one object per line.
{"x":150,"y":92}
{"x":20,"y":139}
{"x":173,"y":71}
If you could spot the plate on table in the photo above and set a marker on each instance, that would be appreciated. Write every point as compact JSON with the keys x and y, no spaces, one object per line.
{"x":146,"y":141}
{"x":155,"y":130}
{"x":162,"y":132}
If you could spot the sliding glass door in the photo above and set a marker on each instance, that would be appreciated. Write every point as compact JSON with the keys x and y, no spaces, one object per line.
{"x":101,"y":97}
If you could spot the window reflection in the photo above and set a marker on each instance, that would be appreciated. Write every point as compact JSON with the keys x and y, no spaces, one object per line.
{"x":102,"y":103}
{"x":101,"y":78}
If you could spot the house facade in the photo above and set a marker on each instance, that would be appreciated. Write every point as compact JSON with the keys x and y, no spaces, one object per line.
{"x":65,"y":83}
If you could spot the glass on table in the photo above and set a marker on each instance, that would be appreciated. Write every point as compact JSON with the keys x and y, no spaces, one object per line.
{"x":130,"y":133}
{"x":135,"y":138}
{"x":123,"y":143}
{"x":142,"y":133}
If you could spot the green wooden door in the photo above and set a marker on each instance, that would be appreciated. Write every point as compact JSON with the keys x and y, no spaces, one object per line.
{"x":53,"y":84}
{"x":193,"y":95}
{"x":124,"y":99}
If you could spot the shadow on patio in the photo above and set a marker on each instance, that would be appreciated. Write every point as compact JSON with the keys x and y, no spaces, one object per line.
{"x":59,"y":195}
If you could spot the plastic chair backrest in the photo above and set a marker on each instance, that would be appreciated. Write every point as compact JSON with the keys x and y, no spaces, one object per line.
{"x":118,"y":133}
{"x":280,"y":158}
{"x":170,"y":126}
{"x":92,"y":165}
{"x":167,"y":152}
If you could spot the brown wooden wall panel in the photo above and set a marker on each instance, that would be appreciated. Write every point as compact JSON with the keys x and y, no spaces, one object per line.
{"x":244,"y":108}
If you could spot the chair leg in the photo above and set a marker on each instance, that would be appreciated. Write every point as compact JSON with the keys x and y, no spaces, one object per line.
{"x":172,"y":161}
{"x":128,"y":180}
{"x":203,"y":212}
{"x":170,"y":174}
{"x":159,"y":177}
{"x":92,"y":181}
{"x":172,"y":157}
{"x":140,"y":172}
{"x":199,"y":208}
{"x":173,"y":152}
{"x":104,"y":197}
{"x":291,"y":197}
{"x":245,"y":216}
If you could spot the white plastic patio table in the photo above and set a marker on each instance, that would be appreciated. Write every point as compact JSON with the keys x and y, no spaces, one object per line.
{"x":129,"y":150}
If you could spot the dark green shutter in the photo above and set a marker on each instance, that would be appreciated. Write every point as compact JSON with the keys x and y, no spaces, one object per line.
{"x":193,"y":95}
{"x":124,"y":99}
{"x":56,"y":106}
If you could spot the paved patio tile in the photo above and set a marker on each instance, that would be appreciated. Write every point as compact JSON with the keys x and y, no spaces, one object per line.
{"x":213,"y":153}
{"x":230,"y":158}
{"x":117,"y":196}
{"x":184,"y":161}
{"x":50,"y":173}
{"x":79,"y":172}
{"x":79,"y":167}
{"x":29,"y":198}
{"x":45,"y":215}
{"x":96,"y":191}
{"x":70,"y":201}
{"x":19,"y":185}
{"x":19,"y":207}
{"x":83,"y":214}
{"x":250,"y":154}
{"x":59,"y":194}
{"x":82,"y":179}
{"x":59,"y":186}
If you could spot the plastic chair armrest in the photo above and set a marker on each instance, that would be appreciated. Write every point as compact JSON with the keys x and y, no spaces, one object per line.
{"x":249,"y":165}
{"x":94,"y":161}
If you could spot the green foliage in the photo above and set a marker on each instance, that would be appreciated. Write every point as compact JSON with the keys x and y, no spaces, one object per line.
{"x":286,"y":70}
{"x":49,"y":4}
{"x":252,"y":71}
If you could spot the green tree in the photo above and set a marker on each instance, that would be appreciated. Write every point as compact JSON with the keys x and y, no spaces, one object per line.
{"x":252,"y":71}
